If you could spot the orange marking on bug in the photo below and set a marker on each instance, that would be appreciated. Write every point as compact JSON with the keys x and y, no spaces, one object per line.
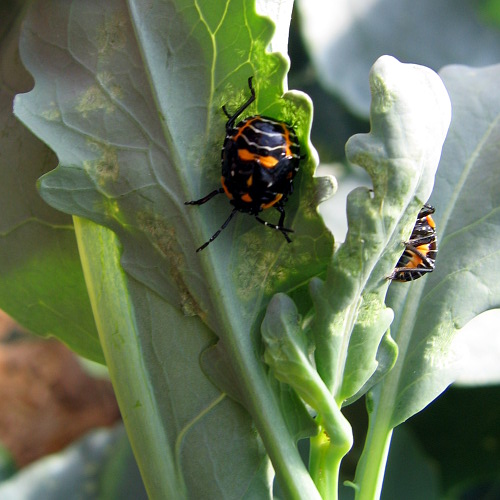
{"x":268,"y":161}
{"x":245,"y":155}
{"x":271,"y":203}
{"x":250,"y":181}
{"x":424,"y":249}
{"x":246,"y":198}
{"x":286,"y":133}
{"x":431,"y":222}
{"x":243,"y":127}
{"x":223,"y":182}
{"x":415,"y":261}
{"x":265,"y":161}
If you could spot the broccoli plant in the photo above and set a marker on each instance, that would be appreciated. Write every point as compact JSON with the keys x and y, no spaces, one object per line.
{"x":223,"y":360}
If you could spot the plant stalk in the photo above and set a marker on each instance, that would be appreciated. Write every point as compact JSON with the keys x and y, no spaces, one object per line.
{"x":371,"y":466}
{"x":115,"y":319}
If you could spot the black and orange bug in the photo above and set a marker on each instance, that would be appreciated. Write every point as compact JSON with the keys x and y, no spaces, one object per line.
{"x":421,"y":249}
{"x":260,"y":157}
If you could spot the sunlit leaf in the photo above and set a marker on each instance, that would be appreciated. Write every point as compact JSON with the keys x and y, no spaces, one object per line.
{"x":129,"y":97}
{"x":410,"y":114}
{"x":466,"y":282}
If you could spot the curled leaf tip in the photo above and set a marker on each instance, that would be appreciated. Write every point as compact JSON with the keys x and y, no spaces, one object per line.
{"x":410,"y":115}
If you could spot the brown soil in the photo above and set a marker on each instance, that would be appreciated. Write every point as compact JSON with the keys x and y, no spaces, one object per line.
{"x":47,"y":400}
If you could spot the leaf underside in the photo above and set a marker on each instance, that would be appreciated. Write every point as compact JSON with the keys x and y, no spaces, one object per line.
{"x":129,"y":97}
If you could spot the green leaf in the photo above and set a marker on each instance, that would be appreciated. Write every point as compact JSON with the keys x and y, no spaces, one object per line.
{"x":410,"y":116}
{"x":38,"y":253}
{"x":434,"y":34}
{"x":287,"y":354}
{"x":371,"y":352}
{"x":428,"y":312}
{"x":134,"y":148}
{"x":129,"y":98}
{"x":466,"y":281}
{"x":172,"y":411}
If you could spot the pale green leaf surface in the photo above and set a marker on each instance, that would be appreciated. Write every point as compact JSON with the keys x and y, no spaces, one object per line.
{"x":466,"y":281}
{"x":182,"y":429}
{"x":359,"y":31}
{"x":298,"y":421}
{"x":410,"y":115}
{"x":129,"y":96}
{"x":372,"y":352}
{"x":385,"y":359}
{"x":287,"y":355}
{"x":41,"y":280}
{"x":136,"y":138}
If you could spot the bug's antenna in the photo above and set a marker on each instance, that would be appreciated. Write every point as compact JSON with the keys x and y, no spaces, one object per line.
{"x":233,"y":118}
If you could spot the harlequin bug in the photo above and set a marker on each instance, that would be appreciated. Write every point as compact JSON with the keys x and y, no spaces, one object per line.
{"x":260,"y":157}
{"x":421,"y":249}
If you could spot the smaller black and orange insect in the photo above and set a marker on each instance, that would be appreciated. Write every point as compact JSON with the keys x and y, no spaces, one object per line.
{"x":421,"y":249}
{"x":260,"y":157}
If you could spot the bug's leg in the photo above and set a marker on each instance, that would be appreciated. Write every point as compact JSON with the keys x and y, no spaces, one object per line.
{"x":281,"y":210}
{"x":421,"y":240}
{"x":399,"y":270}
{"x":225,"y":111}
{"x":228,"y":220}
{"x":233,"y":118}
{"x":205,"y":198}
{"x":427,"y":265}
{"x":279,"y":226}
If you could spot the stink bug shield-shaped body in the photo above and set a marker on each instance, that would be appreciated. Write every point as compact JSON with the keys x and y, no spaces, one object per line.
{"x":421,"y":249}
{"x":260,"y":158}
